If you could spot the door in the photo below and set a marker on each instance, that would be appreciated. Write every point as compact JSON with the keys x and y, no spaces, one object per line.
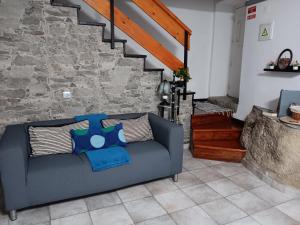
{"x":237,"y":52}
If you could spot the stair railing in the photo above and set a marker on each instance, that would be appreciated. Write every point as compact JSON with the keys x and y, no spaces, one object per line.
{"x":164,"y":17}
{"x":112,"y":24}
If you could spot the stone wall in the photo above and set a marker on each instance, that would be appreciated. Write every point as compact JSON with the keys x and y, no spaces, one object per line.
{"x":273,"y":149}
{"x":186,"y":110}
{"x":43,"y":52}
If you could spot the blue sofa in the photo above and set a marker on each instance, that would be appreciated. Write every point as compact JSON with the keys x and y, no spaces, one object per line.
{"x":31,"y":181}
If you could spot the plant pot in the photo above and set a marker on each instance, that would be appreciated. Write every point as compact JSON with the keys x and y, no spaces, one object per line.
{"x":180,"y":83}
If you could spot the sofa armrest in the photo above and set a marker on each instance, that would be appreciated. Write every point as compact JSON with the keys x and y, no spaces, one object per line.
{"x":13,"y":165}
{"x":171,"y":136}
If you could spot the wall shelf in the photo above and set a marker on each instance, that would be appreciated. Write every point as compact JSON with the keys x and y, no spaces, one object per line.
{"x":288,"y":70}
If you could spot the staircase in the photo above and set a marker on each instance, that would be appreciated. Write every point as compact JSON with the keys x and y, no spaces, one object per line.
{"x":217,"y":137}
{"x":155,"y":10}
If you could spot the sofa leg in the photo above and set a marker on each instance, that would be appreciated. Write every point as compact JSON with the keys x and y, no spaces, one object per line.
{"x":175,"y":178}
{"x":13,"y":215}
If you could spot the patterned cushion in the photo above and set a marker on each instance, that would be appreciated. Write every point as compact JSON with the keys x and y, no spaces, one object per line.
{"x":53,"y":140}
{"x":134,"y":129}
{"x":84,"y":140}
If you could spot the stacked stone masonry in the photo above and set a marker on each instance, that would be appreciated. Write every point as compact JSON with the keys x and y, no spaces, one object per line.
{"x":43,"y":52}
{"x":272,"y":149}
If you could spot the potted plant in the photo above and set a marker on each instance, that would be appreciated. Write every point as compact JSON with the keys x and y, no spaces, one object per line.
{"x":271,"y":65}
{"x":183,"y":74}
{"x":296,"y":65}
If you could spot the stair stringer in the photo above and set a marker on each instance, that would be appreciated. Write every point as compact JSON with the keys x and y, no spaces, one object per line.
{"x":84,"y":19}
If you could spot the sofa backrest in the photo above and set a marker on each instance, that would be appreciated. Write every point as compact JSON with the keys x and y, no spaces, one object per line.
{"x":63,"y":122}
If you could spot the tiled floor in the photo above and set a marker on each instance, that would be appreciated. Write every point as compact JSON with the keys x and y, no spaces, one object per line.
{"x":207,"y":193}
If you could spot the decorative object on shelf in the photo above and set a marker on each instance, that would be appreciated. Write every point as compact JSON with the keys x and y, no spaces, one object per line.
{"x":284,"y":61}
{"x":295,"y":110}
{"x":296,"y":65}
{"x":164,"y":89}
{"x":287,"y":70}
{"x":183,"y":74}
{"x":271,"y":65}
{"x":168,"y":89}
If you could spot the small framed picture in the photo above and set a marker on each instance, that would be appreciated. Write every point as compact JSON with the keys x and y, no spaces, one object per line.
{"x":266,"y":32}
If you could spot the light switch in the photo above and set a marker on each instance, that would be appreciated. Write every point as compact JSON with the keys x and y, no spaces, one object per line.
{"x":67,"y":94}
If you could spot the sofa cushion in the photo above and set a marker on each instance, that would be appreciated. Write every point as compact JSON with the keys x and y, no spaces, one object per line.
{"x":53,"y":140}
{"x":134,"y":129}
{"x":72,"y":175}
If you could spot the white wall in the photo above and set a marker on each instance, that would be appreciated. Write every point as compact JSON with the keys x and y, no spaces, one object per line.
{"x":221,"y":49}
{"x":236,"y":53}
{"x":263,"y":88}
{"x":198,"y":15}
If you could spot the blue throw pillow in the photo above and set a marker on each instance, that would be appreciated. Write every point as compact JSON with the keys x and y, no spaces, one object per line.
{"x":94,"y":119}
{"x":97,"y":138}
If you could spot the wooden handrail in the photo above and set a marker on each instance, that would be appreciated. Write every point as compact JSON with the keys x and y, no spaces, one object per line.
{"x":165,"y":18}
{"x":137,"y":33}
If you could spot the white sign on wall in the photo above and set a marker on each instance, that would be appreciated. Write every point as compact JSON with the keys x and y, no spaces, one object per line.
{"x":266,"y":32}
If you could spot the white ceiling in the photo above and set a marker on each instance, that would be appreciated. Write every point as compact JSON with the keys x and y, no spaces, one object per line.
{"x":232,"y":2}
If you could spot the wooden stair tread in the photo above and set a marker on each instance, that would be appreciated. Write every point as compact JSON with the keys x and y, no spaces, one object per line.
{"x":217,"y":137}
{"x":223,"y":144}
{"x":217,"y":126}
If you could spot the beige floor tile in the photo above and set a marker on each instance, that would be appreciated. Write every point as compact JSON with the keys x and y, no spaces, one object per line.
{"x":201,"y":193}
{"x":187,"y":179}
{"x":193,"y":163}
{"x":174,"y":201}
{"x":225,"y":187}
{"x":223,"y":211}
{"x":230,"y":169}
{"x":192,"y":216}
{"x":207,"y":174}
{"x":291,"y":208}
{"x":68,"y":208}
{"x":187,"y":154}
{"x":271,"y":195}
{"x":161,"y":186}
{"x":144,"y":209}
{"x":3,"y":219}
{"x":114,"y":215}
{"x":249,"y":202}
{"x":102,"y":201}
{"x":273,"y":216}
{"x":246,"y":180}
{"x":79,"y":219}
{"x":32,"y":216}
{"x":133,"y":193}
{"x":211,"y":162}
{"x":162,"y":220}
{"x":244,"y":221}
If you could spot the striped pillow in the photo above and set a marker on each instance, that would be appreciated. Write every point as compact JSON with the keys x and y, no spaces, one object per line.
{"x":134,"y":129}
{"x":53,"y":140}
